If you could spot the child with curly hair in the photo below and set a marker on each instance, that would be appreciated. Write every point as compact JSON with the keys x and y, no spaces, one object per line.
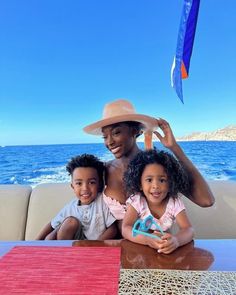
{"x":120,"y":126}
{"x":153,"y":181}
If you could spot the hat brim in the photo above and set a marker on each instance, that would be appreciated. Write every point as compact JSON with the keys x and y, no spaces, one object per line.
{"x":148,"y":122}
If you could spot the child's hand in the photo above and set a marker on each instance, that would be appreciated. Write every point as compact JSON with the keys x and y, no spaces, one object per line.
{"x":167,"y":244}
{"x":156,"y":243}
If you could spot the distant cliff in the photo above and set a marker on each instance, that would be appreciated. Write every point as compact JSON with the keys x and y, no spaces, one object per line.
{"x":226,"y":134}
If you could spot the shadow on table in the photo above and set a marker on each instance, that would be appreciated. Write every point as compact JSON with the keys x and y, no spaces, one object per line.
{"x":186,"y":257}
{"x":136,"y":256}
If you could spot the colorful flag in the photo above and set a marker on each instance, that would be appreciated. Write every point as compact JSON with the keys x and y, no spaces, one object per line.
{"x":188,"y":23}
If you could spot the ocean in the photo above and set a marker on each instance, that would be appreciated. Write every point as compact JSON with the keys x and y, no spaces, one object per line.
{"x":36,"y":164}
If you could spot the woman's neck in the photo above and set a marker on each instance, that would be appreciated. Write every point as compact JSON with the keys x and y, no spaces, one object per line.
{"x":130,"y":155}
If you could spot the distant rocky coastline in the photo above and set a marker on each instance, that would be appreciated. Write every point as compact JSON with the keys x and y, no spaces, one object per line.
{"x":225,"y":134}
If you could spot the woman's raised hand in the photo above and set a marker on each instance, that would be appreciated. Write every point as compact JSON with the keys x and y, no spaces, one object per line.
{"x":167,"y":139}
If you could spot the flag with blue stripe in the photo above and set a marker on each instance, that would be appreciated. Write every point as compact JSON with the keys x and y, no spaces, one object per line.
{"x":187,"y":29}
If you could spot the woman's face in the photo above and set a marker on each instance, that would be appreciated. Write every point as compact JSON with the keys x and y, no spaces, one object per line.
{"x":119,"y":138}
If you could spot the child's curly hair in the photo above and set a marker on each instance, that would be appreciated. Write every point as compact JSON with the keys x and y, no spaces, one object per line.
{"x":177,"y":177}
{"x":87,"y":161}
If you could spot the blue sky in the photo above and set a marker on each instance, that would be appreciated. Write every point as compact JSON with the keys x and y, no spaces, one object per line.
{"x":61,"y":61}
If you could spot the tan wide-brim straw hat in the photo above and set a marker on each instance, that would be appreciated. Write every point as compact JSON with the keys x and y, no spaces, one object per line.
{"x":120,"y":111}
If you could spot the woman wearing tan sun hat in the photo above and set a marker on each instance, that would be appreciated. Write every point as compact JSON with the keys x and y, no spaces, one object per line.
{"x":120,"y":126}
{"x":123,"y":111}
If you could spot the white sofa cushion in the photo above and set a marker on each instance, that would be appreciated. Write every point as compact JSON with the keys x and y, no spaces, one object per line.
{"x":45,"y":202}
{"x":218,"y":221}
{"x":13,"y":211}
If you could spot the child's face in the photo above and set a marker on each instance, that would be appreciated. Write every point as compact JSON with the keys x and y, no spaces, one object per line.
{"x":154,"y":183}
{"x":119,"y":139}
{"x":85,"y":182}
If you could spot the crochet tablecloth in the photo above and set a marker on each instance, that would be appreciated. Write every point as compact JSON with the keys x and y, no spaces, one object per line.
{"x":176,"y":282}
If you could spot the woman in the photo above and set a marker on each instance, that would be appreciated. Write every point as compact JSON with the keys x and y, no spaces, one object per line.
{"x":120,"y":127}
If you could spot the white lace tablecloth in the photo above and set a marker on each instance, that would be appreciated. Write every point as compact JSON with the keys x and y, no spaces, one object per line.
{"x":176,"y":282}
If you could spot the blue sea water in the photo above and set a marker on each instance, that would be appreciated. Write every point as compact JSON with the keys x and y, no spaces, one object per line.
{"x":46,"y":163}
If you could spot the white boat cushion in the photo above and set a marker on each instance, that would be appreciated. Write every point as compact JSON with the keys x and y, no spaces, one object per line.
{"x":13,"y":211}
{"x":45,"y":202}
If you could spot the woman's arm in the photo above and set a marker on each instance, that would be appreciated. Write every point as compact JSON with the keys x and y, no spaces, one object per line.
{"x":185,"y":235}
{"x":200,"y":193}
